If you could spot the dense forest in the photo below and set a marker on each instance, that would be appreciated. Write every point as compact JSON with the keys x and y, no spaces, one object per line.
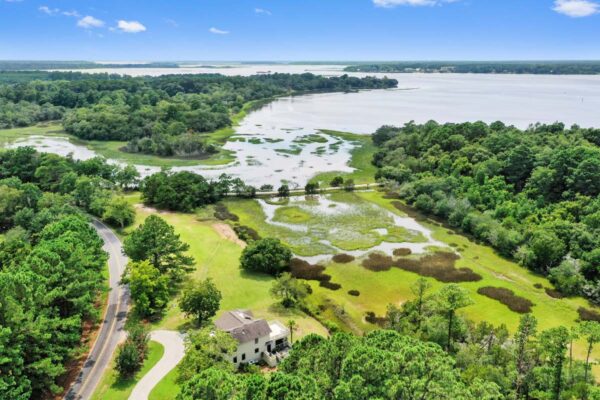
{"x":164,"y":115}
{"x":481,"y":67}
{"x":51,"y":262}
{"x":531,"y":194}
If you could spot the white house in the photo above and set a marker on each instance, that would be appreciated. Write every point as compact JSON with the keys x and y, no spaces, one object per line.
{"x":257,"y":338}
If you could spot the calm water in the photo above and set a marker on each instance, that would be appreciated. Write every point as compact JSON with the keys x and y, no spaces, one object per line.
{"x":514,"y":99}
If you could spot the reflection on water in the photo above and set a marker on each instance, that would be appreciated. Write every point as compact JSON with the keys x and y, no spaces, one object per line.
{"x":266,"y":156}
{"x":514,"y":99}
{"x":337,"y":207}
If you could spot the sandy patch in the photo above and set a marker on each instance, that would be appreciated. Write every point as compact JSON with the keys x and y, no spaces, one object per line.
{"x":226,"y":232}
{"x":153,"y":210}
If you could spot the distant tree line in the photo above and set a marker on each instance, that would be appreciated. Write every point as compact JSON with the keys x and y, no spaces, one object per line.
{"x":492,"y":67}
{"x":531,"y":194}
{"x":167,"y":115}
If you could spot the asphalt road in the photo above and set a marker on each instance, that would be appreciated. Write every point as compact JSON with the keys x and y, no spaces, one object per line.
{"x":112,"y":329}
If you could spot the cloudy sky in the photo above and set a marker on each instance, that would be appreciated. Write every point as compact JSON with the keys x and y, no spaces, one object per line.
{"x":299,"y":29}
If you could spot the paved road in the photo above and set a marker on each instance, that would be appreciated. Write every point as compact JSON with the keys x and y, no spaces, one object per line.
{"x":112,"y":329}
{"x":174,"y":351}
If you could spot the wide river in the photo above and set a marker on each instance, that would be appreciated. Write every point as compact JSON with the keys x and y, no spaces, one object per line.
{"x":520,"y":100}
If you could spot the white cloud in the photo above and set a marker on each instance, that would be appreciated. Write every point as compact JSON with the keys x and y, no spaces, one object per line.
{"x":71,"y":14}
{"x":414,"y":3}
{"x":217,"y":31}
{"x":576,"y":8}
{"x":262,"y":11}
{"x":48,"y":10}
{"x":172,"y":22}
{"x":130,"y":26}
{"x":89,"y":22}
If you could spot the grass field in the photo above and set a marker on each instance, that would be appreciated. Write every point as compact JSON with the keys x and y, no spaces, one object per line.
{"x":218,"y":258}
{"x":378,"y":289}
{"x":361,"y":157}
{"x":166,"y":389}
{"x":114,"y":388}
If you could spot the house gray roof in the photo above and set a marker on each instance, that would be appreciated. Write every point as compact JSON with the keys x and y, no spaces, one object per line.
{"x":242,"y":326}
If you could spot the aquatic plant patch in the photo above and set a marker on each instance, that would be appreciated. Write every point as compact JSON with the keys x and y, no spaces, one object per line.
{"x":585,"y":314}
{"x":555,"y":294}
{"x":372,"y":318}
{"x":222,"y":213}
{"x":246,"y":233}
{"x":343,"y":258}
{"x":507,"y":297}
{"x":402,"y":252}
{"x":438,"y":265}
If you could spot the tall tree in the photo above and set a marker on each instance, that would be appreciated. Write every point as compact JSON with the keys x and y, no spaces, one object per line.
{"x":591,"y":331}
{"x":149,"y":287}
{"x":200,"y":300}
{"x":554,"y":344}
{"x":450,"y":299}
{"x":157,"y":242}
{"x":527,"y":330}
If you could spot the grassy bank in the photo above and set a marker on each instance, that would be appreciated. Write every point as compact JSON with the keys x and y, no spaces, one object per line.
{"x":113,"y":149}
{"x":361,"y":156}
{"x":114,"y":388}
{"x":378,"y":289}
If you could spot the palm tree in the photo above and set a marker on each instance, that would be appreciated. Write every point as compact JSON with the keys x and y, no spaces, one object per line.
{"x":292,"y":326}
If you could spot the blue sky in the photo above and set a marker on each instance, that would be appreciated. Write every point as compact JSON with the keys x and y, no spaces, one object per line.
{"x":299,"y":29}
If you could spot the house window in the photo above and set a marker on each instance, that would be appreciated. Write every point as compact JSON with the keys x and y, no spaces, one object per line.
{"x":244,"y":357}
{"x":256,"y":350}
{"x":256,"y":341}
{"x":235,"y":360}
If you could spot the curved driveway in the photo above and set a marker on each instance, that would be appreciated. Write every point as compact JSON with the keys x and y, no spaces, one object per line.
{"x":174,"y":351}
{"x":112,"y":329}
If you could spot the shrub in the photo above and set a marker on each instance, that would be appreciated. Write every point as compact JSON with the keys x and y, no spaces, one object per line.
{"x":222,"y":213}
{"x":402,"y":252}
{"x":342,"y":258}
{"x":508,"y":298}
{"x":586,"y":314}
{"x":337,"y":181}
{"x":267,"y":255}
{"x":372,"y":318}
{"x":246,"y":233}
{"x":354,"y":293}
{"x":128,"y":359}
{"x":554,"y":293}
{"x":330,"y":285}
{"x":311,"y":188}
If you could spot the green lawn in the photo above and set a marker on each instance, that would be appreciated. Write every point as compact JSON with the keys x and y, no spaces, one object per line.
{"x":166,"y":389}
{"x":361,"y":157}
{"x":218,"y":258}
{"x":114,"y":388}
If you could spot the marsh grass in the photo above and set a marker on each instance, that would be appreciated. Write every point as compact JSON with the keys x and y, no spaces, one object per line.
{"x":508,"y":298}
{"x":439,"y":265}
{"x":585,"y":314}
{"x":402,"y":252}
{"x":555,"y":294}
{"x":342,"y":258}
